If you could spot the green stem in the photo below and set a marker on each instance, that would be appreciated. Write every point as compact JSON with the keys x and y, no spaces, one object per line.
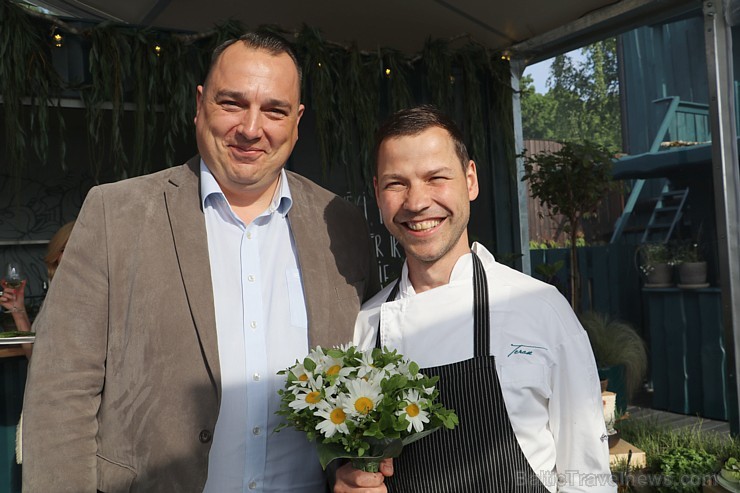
{"x":367,"y":465}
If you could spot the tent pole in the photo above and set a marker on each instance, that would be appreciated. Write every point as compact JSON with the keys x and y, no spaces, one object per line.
{"x":726,"y":178}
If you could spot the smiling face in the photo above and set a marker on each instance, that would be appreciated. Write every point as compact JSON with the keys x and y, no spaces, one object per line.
{"x":424,"y":195}
{"x":247,"y":120}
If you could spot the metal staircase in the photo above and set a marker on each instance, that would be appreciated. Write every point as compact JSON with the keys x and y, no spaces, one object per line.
{"x":665,"y":216}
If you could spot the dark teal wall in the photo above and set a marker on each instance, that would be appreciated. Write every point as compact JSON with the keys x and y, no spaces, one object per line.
{"x":661,"y":61}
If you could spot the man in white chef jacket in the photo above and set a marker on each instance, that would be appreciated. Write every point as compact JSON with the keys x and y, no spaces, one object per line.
{"x":545,"y":369}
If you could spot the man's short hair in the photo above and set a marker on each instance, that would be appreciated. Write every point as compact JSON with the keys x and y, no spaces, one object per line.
{"x":259,"y":40}
{"x":413,"y":121}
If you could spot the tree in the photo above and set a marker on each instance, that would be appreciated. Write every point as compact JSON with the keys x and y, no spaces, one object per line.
{"x":582,"y":102}
{"x":571,"y":182}
{"x":538,"y":112}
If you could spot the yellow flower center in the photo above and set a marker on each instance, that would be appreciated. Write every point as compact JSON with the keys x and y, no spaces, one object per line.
{"x":412,"y":410}
{"x":363,"y":405}
{"x":333,"y":370}
{"x":337,"y":416}
{"x":303,"y":378}
{"x":313,"y":397}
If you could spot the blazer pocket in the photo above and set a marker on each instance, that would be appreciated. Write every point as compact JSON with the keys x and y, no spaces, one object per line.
{"x":113,"y":477}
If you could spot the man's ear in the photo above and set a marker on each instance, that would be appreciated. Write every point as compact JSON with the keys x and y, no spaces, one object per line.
{"x":198,"y":102}
{"x":471,"y":176}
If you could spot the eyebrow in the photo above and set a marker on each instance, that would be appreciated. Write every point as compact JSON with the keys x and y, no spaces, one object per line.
{"x":395,"y":176}
{"x":240,"y":96}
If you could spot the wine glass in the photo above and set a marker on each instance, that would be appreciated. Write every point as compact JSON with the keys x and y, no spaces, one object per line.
{"x":13,"y":277}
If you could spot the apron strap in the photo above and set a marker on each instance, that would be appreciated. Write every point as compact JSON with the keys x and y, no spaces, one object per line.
{"x":391,"y":297}
{"x":481,"y":310}
{"x":481,"y":315}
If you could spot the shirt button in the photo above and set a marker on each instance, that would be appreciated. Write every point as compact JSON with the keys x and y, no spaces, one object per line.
{"x":249,"y":236}
{"x":250,"y":278}
{"x":256,"y":430}
{"x":253,"y":324}
{"x":205,"y":436}
{"x":256,"y":377}
{"x":253,"y":485}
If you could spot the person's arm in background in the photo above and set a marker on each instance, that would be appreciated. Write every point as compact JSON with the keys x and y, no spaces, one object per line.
{"x":14,"y":301}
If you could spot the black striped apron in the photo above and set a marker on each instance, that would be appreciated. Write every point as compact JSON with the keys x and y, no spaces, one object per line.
{"x":481,"y":455}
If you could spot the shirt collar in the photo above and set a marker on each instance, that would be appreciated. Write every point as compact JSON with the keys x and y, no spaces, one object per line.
{"x":461,"y":272}
{"x":281,"y":202}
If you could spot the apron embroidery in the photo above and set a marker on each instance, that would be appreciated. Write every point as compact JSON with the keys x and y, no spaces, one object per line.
{"x":482,"y":454}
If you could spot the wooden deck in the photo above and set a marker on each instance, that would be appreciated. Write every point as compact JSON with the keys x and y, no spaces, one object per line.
{"x":675,"y":420}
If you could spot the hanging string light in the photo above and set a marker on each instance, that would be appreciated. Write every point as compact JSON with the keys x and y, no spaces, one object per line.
{"x":388,"y":73}
{"x":157,"y":50}
{"x":56,"y":38}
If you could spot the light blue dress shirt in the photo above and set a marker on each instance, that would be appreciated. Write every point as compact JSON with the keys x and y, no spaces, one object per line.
{"x":262,"y":328}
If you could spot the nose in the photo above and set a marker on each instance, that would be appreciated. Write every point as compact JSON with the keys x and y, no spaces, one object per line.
{"x":250,"y":125}
{"x":417,"y":198}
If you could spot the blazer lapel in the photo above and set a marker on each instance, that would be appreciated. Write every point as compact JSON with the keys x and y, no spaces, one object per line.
{"x":189,"y":233}
{"x":304,"y":219}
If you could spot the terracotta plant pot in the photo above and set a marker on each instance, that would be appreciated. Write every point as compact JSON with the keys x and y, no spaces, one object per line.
{"x":692,"y":273}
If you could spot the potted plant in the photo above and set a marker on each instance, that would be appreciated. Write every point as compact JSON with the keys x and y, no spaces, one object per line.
{"x":620,"y":354}
{"x":656,"y":265}
{"x":692,"y":268}
{"x":571,"y":181}
{"x":549,"y":273}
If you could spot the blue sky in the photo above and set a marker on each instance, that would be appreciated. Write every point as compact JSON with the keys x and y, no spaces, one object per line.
{"x":539,"y":72}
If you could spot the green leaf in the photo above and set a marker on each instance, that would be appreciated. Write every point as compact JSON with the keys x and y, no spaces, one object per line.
{"x":309,"y":364}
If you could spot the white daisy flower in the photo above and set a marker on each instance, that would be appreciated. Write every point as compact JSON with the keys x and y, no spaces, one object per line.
{"x":413,"y":412}
{"x":334,"y":366}
{"x":367,"y":365}
{"x":362,"y":397}
{"x":308,"y":397}
{"x":301,"y":374}
{"x":335,"y":419}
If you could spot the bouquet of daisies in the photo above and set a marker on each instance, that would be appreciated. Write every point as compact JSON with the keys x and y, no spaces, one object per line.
{"x":361,"y":405}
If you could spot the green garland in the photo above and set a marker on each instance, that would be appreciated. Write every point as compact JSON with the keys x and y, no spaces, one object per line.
{"x":348,"y":91}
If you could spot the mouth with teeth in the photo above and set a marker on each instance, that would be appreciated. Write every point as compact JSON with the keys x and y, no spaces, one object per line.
{"x":421,"y":226}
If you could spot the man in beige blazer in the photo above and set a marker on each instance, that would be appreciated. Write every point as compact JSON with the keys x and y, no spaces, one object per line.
{"x":124,"y":388}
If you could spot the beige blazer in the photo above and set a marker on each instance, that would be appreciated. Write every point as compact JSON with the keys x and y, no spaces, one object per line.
{"x":124,"y":386}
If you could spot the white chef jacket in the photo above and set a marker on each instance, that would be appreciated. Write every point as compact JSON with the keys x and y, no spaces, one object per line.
{"x":543,"y":357}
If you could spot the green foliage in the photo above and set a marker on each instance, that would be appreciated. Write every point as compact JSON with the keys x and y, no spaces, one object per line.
{"x":439,"y":79}
{"x":673,"y":453}
{"x":549,"y":271}
{"x":582,"y":101}
{"x":571,"y":181}
{"x":538,"y":113}
{"x":110,"y":62}
{"x":685,"y":469}
{"x":615,"y":342}
{"x":551,"y":244}
{"x":26,"y":71}
{"x":686,"y":251}
{"x":344,"y":87}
